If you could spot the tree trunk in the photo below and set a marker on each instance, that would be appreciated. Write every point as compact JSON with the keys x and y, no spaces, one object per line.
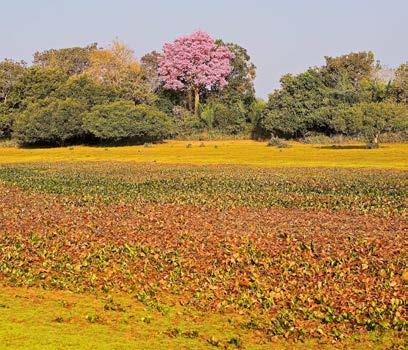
{"x":190,"y":100}
{"x":196,"y":100}
{"x":376,"y":142}
{"x":373,"y":142}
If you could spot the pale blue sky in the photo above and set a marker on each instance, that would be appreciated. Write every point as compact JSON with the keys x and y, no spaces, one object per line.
{"x":281,"y":36}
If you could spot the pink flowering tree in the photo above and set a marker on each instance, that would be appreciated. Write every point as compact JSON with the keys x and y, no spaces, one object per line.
{"x":194,"y":63}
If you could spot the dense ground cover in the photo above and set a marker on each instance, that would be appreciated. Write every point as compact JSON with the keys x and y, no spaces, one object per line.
{"x":301,"y":253}
{"x":49,"y":320}
{"x":381,"y":191}
{"x":245,"y":152}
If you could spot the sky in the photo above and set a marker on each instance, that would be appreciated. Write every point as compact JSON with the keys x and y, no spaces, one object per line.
{"x":285,"y":36}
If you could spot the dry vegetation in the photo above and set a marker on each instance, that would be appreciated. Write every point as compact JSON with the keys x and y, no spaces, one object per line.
{"x":295,"y":253}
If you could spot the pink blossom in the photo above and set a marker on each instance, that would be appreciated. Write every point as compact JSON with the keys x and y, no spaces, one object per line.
{"x":194,"y":61}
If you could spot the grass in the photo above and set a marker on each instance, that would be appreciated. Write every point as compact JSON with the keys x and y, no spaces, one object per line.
{"x":42,"y":320}
{"x":389,"y":156}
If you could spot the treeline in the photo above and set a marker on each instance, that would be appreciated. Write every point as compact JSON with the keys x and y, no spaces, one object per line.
{"x":80,"y":95}
{"x":350,"y":95}
{"x":93,"y":95}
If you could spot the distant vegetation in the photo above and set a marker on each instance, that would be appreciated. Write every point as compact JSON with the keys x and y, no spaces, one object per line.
{"x":197,"y":85}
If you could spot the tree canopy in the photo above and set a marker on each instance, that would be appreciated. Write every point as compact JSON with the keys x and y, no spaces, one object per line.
{"x":72,"y":60}
{"x":194,"y":63}
{"x":346,"y":86}
{"x":195,"y":86}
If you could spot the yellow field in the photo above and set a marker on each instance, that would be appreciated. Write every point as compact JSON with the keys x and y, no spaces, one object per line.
{"x":243,"y":152}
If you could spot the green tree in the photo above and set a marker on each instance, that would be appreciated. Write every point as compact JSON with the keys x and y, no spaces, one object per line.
{"x":308,"y":102}
{"x":50,"y":122}
{"x":356,"y":66}
{"x":291,"y":110}
{"x":241,"y":79}
{"x":122,"y":121}
{"x":88,"y":91}
{"x":370,"y":120}
{"x":6,"y":121}
{"x":35,"y":84}
{"x":229,"y":119}
{"x":400,"y":83}
{"x":10,"y":73}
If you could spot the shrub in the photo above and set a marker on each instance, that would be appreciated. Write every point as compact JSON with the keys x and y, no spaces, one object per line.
{"x":255,"y":113}
{"x":49,"y":122}
{"x":123,"y":121}
{"x":316,"y":138}
{"x":186,"y":122}
{"x":229,"y":119}
{"x":278,"y":142}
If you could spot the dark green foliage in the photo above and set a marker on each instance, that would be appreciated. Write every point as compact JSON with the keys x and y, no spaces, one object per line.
{"x":374,"y":90}
{"x":50,"y":122}
{"x":256,"y":110}
{"x":123,"y":120}
{"x":35,"y":84}
{"x":372,"y":119}
{"x":320,"y":100}
{"x":90,"y":92}
{"x":154,"y":125}
{"x":240,"y":86}
{"x":231,"y":106}
{"x":186,"y":122}
{"x":227,"y":119}
{"x":291,"y":111}
{"x":315,"y":102}
{"x":6,"y":122}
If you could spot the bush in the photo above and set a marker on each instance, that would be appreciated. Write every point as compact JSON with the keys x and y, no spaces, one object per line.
{"x":395,"y":137}
{"x":124,"y":121}
{"x":278,"y":142}
{"x":228,"y":119}
{"x":154,"y":125}
{"x":187,"y":123}
{"x":316,"y":138}
{"x":256,"y":110}
{"x":49,"y":122}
